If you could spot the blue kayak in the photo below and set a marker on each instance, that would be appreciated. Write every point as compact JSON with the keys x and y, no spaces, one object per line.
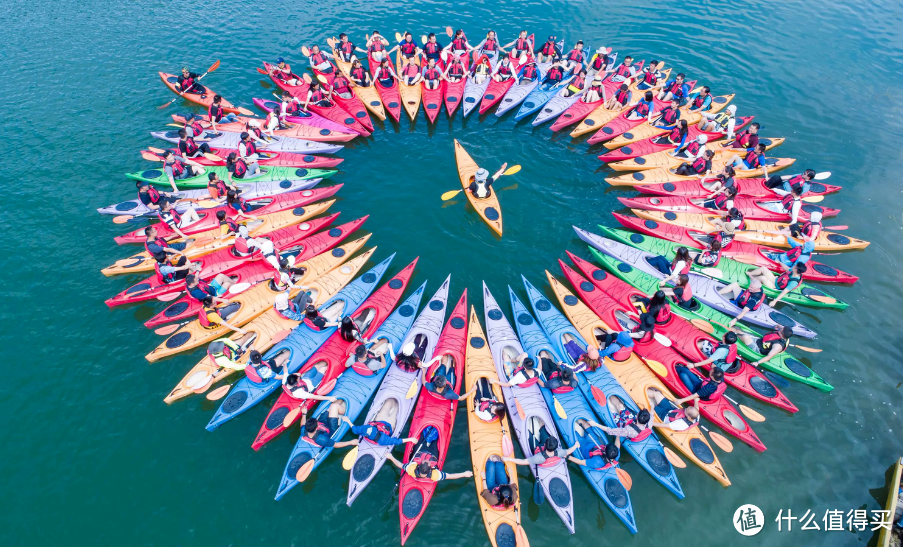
{"x":605,"y":482}
{"x":301,"y":343}
{"x":649,"y":452}
{"x":544,"y":93}
{"x":353,"y":388}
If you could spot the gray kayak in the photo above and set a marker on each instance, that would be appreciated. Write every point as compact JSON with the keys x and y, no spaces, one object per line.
{"x":519,"y":92}
{"x":473,"y":92}
{"x":222,"y":139}
{"x":559,"y":103}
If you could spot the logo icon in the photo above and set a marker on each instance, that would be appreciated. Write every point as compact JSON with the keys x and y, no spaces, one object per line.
{"x":749,"y":519}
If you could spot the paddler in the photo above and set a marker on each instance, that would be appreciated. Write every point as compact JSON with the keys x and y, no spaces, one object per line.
{"x":720,"y":182}
{"x":270,"y":368}
{"x":341,"y":86}
{"x":212,"y":317}
{"x":724,"y":355}
{"x":227,"y":353}
{"x":188,"y":82}
{"x":440,"y":387}
{"x":152,"y":198}
{"x":643,"y":109}
{"x":319,"y":60}
{"x":748,"y":139}
{"x":486,"y":407}
{"x":376,"y":47}
{"x":379,"y":430}
{"x":576,"y":84}
{"x":808,"y":231}
{"x":596,"y":91}
{"x":489,"y":45}
{"x":722,"y":201}
{"x":619,"y":100}
{"x":600,"y":60}
{"x":629,"y":425}
{"x":617,"y":346}
{"x":681,"y":294}
{"x":504,"y":70}
{"x":523,"y":373}
{"x":721,"y":122}
{"x":200,"y":290}
{"x":596,"y":453}
{"x":454,"y":71}
{"x":359,"y":74}
{"x":672,"y":416}
{"x":554,"y":75}
{"x":218,"y":188}
{"x":549,"y":51}
{"x":754,"y":159}
{"x":748,"y":299}
{"x":432,"y":49}
{"x":784,"y":185}
{"x":159,"y":248}
{"x":769,"y":346}
{"x":344,"y":49}
{"x":710,"y":256}
{"x":522,"y":45}
{"x":500,"y":491}
{"x":237,"y":168}
{"x":410,"y":73}
{"x":179,"y":168}
{"x":408,"y":360}
{"x":625,"y":71}
{"x":424,"y":464}
{"x":407,"y":47}
{"x":559,"y":377}
{"x":481,"y":185}
{"x":657,"y":306}
{"x":675,"y":88}
{"x":385,"y":74}
{"x":574,"y":57}
{"x":669,"y":118}
{"x":652,"y":76}
{"x":707,"y":389}
{"x":188,"y":148}
{"x":317,"y":96}
{"x":296,"y":308}
{"x":282,"y":71}
{"x":290,"y":105}
{"x":176,"y":221}
{"x":458,"y":45}
{"x":549,"y":450}
{"x":247,"y":151}
{"x":271,"y":123}
{"x":700,"y":167}
{"x":301,"y":385}
{"x":365,"y":359}
{"x":692,"y":150}
{"x":216,"y":114}
{"x":320,"y":434}
{"x":700,"y":101}
{"x":671,"y":268}
{"x":481,"y":70}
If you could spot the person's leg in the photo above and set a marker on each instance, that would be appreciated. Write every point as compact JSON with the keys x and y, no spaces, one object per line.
{"x":253,"y":170}
{"x":689,"y":380}
{"x":548,"y":367}
{"x":495,"y":474}
{"x":189,"y":217}
{"x":661,"y":264}
{"x":763,"y":275}
{"x":684,"y":170}
{"x":733,"y":289}
{"x":224,"y":281}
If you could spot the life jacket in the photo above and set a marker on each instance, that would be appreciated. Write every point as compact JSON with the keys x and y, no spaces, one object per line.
{"x":700,"y":165}
{"x":431,"y":48}
{"x":731,"y":356}
{"x":381,"y":427}
{"x":227,"y":355}
{"x":722,"y":387}
{"x":217,"y":189}
{"x":408,"y":48}
{"x":642,"y":108}
{"x":268,"y":121}
{"x":628,"y":419}
{"x":376,"y":45}
{"x":721,"y":119}
{"x":504,"y":69}
{"x":153,"y":194}
{"x":358,"y":73}
{"x":317,"y":58}
{"x":280,"y":283}
{"x":190,"y":146}
{"x":797,"y":182}
{"x":204,"y":287}
{"x":623,"y":97}
{"x":425,"y":456}
{"x":648,"y":335}
{"x":650,"y":77}
{"x":527,"y":383}
{"x":549,"y":48}
{"x":204,"y":315}
{"x":693,"y":148}
{"x":687,"y":294}
{"x":194,"y":128}
{"x":575,"y":55}
{"x":521,"y":44}
{"x":168,"y":278}
{"x":670,"y":116}
{"x":347,"y":48}
{"x":484,"y":407}
{"x":215,"y":111}
{"x":456,"y":70}
{"x":554,"y":74}
{"x":810,"y":229}
{"x":240,"y":168}
{"x":290,"y":106}
{"x":431,"y":73}
{"x":663,"y":314}
{"x":796,"y":253}
{"x":490,"y":45}
{"x":187,"y":83}
{"x":340,"y":85}
{"x":459,"y":44}
{"x":316,"y":95}
{"x":770,"y":339}
{"x":577,"y":82}
{"x":254,"y":131}
{"x":783,"y":280}
{"x":623,"y":70}
{"x":177,"y":168}
{"x":563,"y":388}
{"x":747,"y":297}
{"x":676,"y":89}
{"x":550,"y":461}
{"x":250,"y":148}
{"x":175,"y":216}
{"x":599,"y":451}
{"x":530,"y":71}
{"x":753,"y":159}
{"x":788,"y":201}
{"x":410,"y":70}
{"x":699,"y":100}
{"x":741,"y":223}
{"x":312,"y":440}
{"x":622,"y":354}
{"x":685,"y":270}
{"x":707,"y":260}
{"x":680,"y":414}
{"x":742,"y":138}
{"x":241,"y":246}
{"x":721,"y":201}
{"x":675,"y":135}
{"x":161,"y":242}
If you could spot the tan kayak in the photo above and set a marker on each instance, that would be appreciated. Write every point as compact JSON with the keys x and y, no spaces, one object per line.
{"x":601,"y":115}
{"x":664,"y":174}
{"x":646,"y":130}
{"x":410,"y":94}
{"x":665,"y":159}
{"x":488,"y":208}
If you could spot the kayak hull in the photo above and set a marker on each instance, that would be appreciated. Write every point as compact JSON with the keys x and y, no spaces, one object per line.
{"x":752,"y":209}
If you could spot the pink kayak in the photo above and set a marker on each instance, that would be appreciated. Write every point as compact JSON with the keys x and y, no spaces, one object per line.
{"x":752,"y":208}
{"x":748,"y":187}
{"x":303,"y":118}
{"x":661,"y":143}
{"x":579,"y":110}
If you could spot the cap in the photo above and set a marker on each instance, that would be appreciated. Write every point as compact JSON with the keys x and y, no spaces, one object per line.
{"x":280,"y":60}
{"x":481,"y":174}
{"x":815,"y":216}
{"x":604,"y":50}
{"x":281,"y":301}
{"x":702,"y":139}
{"x":408,"y":349}
{"x":732,"y":109}
{"x":184,"y":69}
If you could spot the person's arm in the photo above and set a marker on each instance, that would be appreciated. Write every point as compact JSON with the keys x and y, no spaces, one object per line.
{"x":462,"y":475}
{"x":703,"y":363}
{"x":691,"y":397}
{"x":468,"y":393}
{"x":343,"y":444}
{"x":774,"y":350}
{"x":616,"y":431}
{"x":777,"y":299}
{"x":578,"y":461}
{"x":515,"y":461}
{"x":573,"y":448}
{"x":500,"y":172}
{"x":394,"y":461}
{"x":740,"y":316}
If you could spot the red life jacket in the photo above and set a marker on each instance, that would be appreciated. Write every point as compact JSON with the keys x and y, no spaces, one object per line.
{"x":177,"y":168}
{"x":382,"y":429}
{"x":458,"y":44}
{"x":663,"y":314}
{"x":598,"y":451}
{"x":563,"y":388}
{"x":731,"y":354}
{"x":425,"y":456}
{"x":316,"y":95}
{"x":642,"y":108}
{"x":787,"y":202}
{"x":680,"y":414}
{"x":484,"y":406}
{"x":529,"y":72}
{"x":194,"y":128}
{"x":204,"y":286}
{"x":810,"y":229}
{"x":773,"y":338}
{"x":700,"y":165}
{"x":578,"y":82}
{"x":746,"y":297}
{"x":687,"y":294}
{"x":203,"y":320}
{"x":676,"y":89}
{"x":456,"y":70}
{"x":317,"y":58}
{"x":648,"y":335}
{"x":154,"y":194}
{"x":250,"y":148}
{"x":358,"y":73}
{"x":159,"y":241}
{"x":742,"y":138}
{"x":410,"y":70}
{"x":685,"y":270}
{"x":169,"y":278}
{"x":320,"y":429}
{"x":623,"y":70}
{"x":241,"y":246}
{"x":753,"y":159}
{"x":549,"y":48}
{"x":190,"y":146}
{"x":490,"y":45}
{"x":340,"y":84}
{"x":504,"y":69}
{"x":796,"y":182}
{"x":628,"y":419}
{"x":623,"y":97}
{"x":693,"y":148}
{"x":550,"y":461}
{"x":376,"y":45}
{"x":554,"y":73}
{"x":347,"y":48}
{"x":217,"y":189}
{"x":529,"y":382}
{"x":408,"y":48}
{"x":721,"y":200}
{"x":719,"y":391}
{"x":699,"y":101}
{"x":431,"y":74}
{"x":670,"y":116}
{"x":521,"y":44}
{"x":176,"y":217}
{"x":622,"y":354}
{"x":675,"y":135}
{"x":575,"y":55}
{"x":240,"y":168}
{"x":215,"y":111}
{"x":650,"y":77}
{"x":431,"y":48}
{"x":784,"y":279}
{"x":705,"y":258}
{"x":187,"y":83}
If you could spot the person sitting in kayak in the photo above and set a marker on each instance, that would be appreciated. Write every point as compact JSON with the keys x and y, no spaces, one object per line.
{"x":670,"y":415}
{"x":700,"y":101}
{"x":808,"y":231}
{"x":344,"y":49}
{"x":791,"y":204}
{"x":320,"y":434}
{"x":625,"y":72}
{"x":319,"y":60}
{"x":576,"y":84}
{"x":432,"y":49}
{"x":341,"y":86}
{"x":213,"y":317}
{"x":643,"y":109}
{"x":596,"y":91}
{"x":784,"y":185}
{"x":424,"y":464}
{"x":410,"y":74}
{"x":481,"y":70}
{"x":594,"y":451}
{"x":748,"y":139}
{"x":247,"y":151}
{"x":440,"y":386}
{"x":770,"y":345}
{"x":359,"y":75}
{"x":709,"y":257}
{"x":188,"y":82}
{"x":523,"y":373}
{"x":708,"y":389}
{"x":721,"y":122}
{"x":227,"y":353}
{"x":554,"y":75}
{"x":499,"y":492}
{"x":216,"y":114}
{"x":379,"y":431}
{"x":574,"y":57}
{"x":361,"y":358}
{"x":489,"y":45}
{"x":600,"y":60}
{"x":432,"y":75}
{"x":152,"y":198}
{"x":671,"y":268}
{"x":301,"y":385}
{"x":669,"y":118}
{"x":583,"y":360}
{"x":486,"y":407}
{"x":652,"y":76}
{"x":200,"y":290}
{"x":619,"y":99}
{"x":722,"y":201}
{"x":317,"y":97}
{"x":282,"y":71}
{"x":630,"y":425}
{"x":645,"y":326}
{"x":407,"y":47}
{"x":617,"y":346}
{"x":754,"y":159}
{"x":458,"y":45}
{"x":385,"y":74}
{"x":548,"y":52}
{"x":675,"y":88}
{"x":218,"y":188}
{"x":559,"y":378}
{"x":700,"y":167}
{"x":682,"y":293}
{"x":238,"y":168}
{"x":549,"y":453}
{"x":266,"y":369}
{"x":188,"y":147}
{"x":176,"y":221}
{"x":724,"y":355}
{"x":504,"y":70}
{"x":481,"y":184}
{"x":657,"y":306}
{"x":749,"y":299}
{"x":376,"y":47}
{"x":691,"y":150}
{"x":179,"y":168}
{"x":522,"y":45}
{"x":454,"y":71}
{"x":720,"y":182}
{"x":159,"y":248}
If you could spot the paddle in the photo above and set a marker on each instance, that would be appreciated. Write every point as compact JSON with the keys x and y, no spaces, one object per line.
{"x":748,"y":412}
{"x":239,"y":287}
{"x":703,"y":325}
{"x":122,"y":219}
{"x":719,"y":440}
{"x":559,"y":409}
{"x":169,"y":329}
{"x":129,"y":260}
{"x":424,"y":40}
{"x":674,"y":458}
{"x":398,"y":37}
{"x":838,"y":227}
{"x":412,"y":391}
{"x":305,"y":470}
{"x":262,"y":71}
{"x":658,"y":368}
{"x":814,"y":199}
{"x":822,"y":176}
{"x":538,"y":495}
{"x":219,"y":393}
{"x":452,"y":193}
{"x":507,"y":447}
{"x":305,"y":51}
{"x":348,"y":460}
{"x":290,"y":417}
{"x":625,"y":479}
{"x":449,"y":32}
{"x":521,"y":539}
{"x":520,"y":409}
{"x":662,"y":339}
{"x":776,"y":380}
{"x":598,"y":395}
{"x":199,"y":387}
{"x":807,"y":349}
{"x":331,"y":41}
{"x":213,"y":67}
{"x":821,"y":298}
{"x":712,"y":272}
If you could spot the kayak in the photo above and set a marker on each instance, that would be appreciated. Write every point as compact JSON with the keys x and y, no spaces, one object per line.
{"x":488,"y":208}
{"x":601,"y":115}
{"x":705,"y":289}
{"x":248,"y":305}
{"x":893,"y":495}
{"x":754,"y":188}
{"x":489,"y":439}
{"x":424,"y":334}
{"x":224,"y":261}
{"x":727,"y":270}
{"x":517,"y":93}
{"x":271,"y":174}
{"x":368,"y":317}
{"x":432,"y":98}
{"x":367,"y":94}
{"x":270,"y":327}
{"x":667,"y":159}
{"x":205,"y":243}
{"x":639,"y":380}
{"x":496,"y":90}
{"x":756,"y":231}
{"x":351,"y":105}
{"x":259,"y":206}
{"x":299,"y":90}
{"x":203,"y":99}
{"x":334,"y":111}
{"x":454,"y":91}
{"x":231,"y":141}
{"x":544,"y":93}
{"x":303,"y":117}
{"x":355,"y":387}
{"x":390,"y":96}
{"x":752,"y":208}
{"x":410,"y":94}
{"x":749,"y":252}
{"x":533,"y":421}
{"x":473,"y":92}
{"x":662,"y":174}
{"x":580,"y":325}
{"x":580,"y":109}
{"x":276,"y":159}
{"x":560,"y":101}
{"x":660,"y":143}
{"x":293,"y":131}
{"x":604,"y":481}
{"x":721,"y":411}
{"x":300,"y":344}
{"x":434,"y":411}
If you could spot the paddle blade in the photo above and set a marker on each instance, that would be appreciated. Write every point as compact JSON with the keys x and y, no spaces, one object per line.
{"x":305,"y":470}
{"x":445,"y":197}
{"x":168,"y":329}
{"x":203,"y":387}
{"x":331,"y":41}
{"x":156,"y":150}
{"x":538,"y":495}
{"x":823,"y":299}
{"x":169,"y":297}
{"x":207,"y":204}
{"x":126,"y":261}
{"x":838,"y":227}
{"x":398,"y":37}
{"x":122,"y":219}
{"x":522,"y":537}
{"x":713,"y":272}
{"x":658,"y":368}
{"x":244,"y":111}
{"x":150,"y":156}
{"x":662,"y":339}
{"x":507,"y":446}
{"x":280,"y":336}
{"x":449,"y":32}
{"x":625,"y":479}
{"x":239,"y":287}
{"x":721,"y":441}
{"x":513,"y":170}
{"x":559,"y":409}
{"x":306,"y":78}
{"x":218,"y":393}
{"x":674,"y":458}
{"x":214,"y":66}
{"x":823,"y":175}
{"x":327,"y":387}
{"x":262,"y":71}
{"x":412,"y":391}
{"x":520,"y":409}
{"x":814,"y":199}
{"x":751,"y":414}
{"x":322,"y":79}
{"x":746,"y":259}
{"x":807,"y":349}
{"x":424,"y":39}
{"x":305,"y":51}
{"x":212,"y":157}
{"x":291,"y":417}
{"x":703,"y":325}
{"x":348,"y":460}
{"x":598,"y":395}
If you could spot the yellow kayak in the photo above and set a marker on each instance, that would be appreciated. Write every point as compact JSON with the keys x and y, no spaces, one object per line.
{"x":756,"y":230}
{"x":646,"y":130}
{"x":368,"y":95}
{"x":665,"y":159}
{"x":601,"y":115}
{"x":410,"y":94}
{"x":502,"y":525}
{"x":662,"y":175}
{"x":488,"y":208}
{"x":892,"y":495}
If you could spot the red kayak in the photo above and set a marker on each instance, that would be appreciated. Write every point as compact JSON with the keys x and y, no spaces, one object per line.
{"x":436,"y":411}
{"x":661,"y":143}
{"x":352,"y":105}
{"x":299,"y":90}
{"x":496,"y":90}
{"x":259,"y":206}
{"x":623,"y":124}
{"x":455,"y":91}
{"x":390,"y":96}
{"x":432,"y":98}
{"x":752,"y":252}
{"x":747,"y":187}
{"x":612,"y":299}
{"x":339,"y":115}
{"x":334,"y":352}
{"x":275,"y":159}
{"x":752,"y":209}
{"x":224,"y":261}
{"x":579,"y":110}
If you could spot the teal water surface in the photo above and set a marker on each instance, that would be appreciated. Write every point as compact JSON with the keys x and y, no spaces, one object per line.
{"x":92,"y":456}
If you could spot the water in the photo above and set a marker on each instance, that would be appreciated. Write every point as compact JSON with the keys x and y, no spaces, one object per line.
{"x":92,"y":455}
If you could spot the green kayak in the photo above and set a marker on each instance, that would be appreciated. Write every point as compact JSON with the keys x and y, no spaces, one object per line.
{"x":728,"y":270}
{"x":267,"y":174}
{"x":784,"y":364}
